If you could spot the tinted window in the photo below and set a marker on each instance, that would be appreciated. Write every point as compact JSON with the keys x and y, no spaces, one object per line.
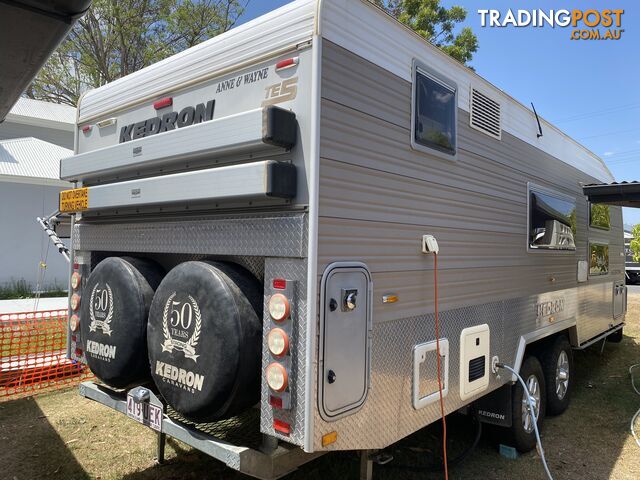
{"x":435,"y":115}
{"x":598,"y":259}
{"x":552,"y":222}
{"x":599,"y":216}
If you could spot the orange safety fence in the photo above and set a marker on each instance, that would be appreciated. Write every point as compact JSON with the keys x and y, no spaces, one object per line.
{"x":33,"y":354}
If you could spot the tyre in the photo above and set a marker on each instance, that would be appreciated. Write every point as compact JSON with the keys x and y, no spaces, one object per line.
{"x":522,"y":433}
{"x":557,"y":364}
{"x":615,"y":337}
{"x":205,"y":339}
{"x":113,"y":319}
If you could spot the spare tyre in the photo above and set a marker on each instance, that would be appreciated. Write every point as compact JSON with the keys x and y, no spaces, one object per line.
{"x":205,"y":339}
{"x":113,"y":319}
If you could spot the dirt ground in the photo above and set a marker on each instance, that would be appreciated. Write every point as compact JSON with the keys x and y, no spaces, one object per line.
{"x":62,"y":436}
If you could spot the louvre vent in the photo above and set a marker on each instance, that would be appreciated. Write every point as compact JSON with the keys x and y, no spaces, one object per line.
{"x":485,"y":114}
{"x":476,"y":368}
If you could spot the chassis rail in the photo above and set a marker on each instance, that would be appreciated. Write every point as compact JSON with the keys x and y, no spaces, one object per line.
{"x":272,"y":463}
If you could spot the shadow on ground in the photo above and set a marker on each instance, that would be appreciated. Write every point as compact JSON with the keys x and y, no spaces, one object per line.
{"x":31,"y":447}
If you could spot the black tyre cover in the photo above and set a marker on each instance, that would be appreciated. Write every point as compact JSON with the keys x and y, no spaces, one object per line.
{"x":205,"y":339}
{"x":113,"y":319}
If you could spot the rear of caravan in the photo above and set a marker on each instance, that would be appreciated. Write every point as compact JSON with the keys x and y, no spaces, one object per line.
{"x":287,"y":147}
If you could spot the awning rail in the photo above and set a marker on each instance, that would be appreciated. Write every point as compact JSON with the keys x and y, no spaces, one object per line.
{"x":623,"y":194}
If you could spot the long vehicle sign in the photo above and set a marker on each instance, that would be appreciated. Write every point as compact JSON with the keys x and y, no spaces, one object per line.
{"x":75,"y":200}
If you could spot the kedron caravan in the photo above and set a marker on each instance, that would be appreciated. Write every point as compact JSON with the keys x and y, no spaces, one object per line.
{"x":261,"y":223}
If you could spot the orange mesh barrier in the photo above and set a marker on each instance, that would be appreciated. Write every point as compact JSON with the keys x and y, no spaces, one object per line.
{"x":33,"y":354}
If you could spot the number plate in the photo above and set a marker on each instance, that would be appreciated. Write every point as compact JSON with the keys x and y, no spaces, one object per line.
{"x":74,"y":200}
{"x":145,"y":413}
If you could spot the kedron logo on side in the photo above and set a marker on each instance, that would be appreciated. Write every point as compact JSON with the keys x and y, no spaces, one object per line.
{"x":179,"y":377}
{"x":101,"y":351}
{"x":169,"y":121}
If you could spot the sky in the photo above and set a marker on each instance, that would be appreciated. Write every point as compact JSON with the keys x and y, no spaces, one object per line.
{"x":589,"y":89}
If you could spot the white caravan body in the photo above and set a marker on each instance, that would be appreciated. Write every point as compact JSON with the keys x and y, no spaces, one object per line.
{"x":368,"y":189}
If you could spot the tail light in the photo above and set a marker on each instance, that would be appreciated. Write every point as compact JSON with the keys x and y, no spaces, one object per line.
{"x":277,"y":377}
{"x":74,"y":303}
{"x":75,"y":280}
{"x":287,"y":63}
{"x":74,"y":323}
{"x":282,"y":427}
{"x":279,"y":307}
{"x":278,"y":342}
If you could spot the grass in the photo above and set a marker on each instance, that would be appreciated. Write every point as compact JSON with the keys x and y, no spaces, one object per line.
{"x":62,"y":436}
{"x":18,"y":289}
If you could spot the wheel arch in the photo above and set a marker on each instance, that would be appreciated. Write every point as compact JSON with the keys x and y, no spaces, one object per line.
{"x":532,"y":342}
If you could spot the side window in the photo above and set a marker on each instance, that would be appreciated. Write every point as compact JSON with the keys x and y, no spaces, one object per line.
{"x":599,"y":216}
{"x":434,"y":113}
{"x":598,"y":259}
{"x":552,"y":220}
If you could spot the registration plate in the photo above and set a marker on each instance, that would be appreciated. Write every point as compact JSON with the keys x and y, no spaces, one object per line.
{"x":145,"y":413}
{"x":74,"y":200}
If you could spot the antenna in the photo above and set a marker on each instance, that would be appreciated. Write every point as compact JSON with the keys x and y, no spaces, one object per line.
{"x":539,"y":134}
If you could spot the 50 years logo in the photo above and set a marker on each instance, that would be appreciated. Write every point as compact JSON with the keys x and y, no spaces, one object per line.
{"x":101,"y":309}
{"x":181,"y":325}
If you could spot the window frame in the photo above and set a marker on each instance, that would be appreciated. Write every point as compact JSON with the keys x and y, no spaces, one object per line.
{"x":421,"y":68}
{"x":596,"y":227}
{"x":602,"y":243}
{"x":532,"y":187}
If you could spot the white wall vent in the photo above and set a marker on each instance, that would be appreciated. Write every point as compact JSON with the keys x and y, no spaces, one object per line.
{"x":485,"y":114}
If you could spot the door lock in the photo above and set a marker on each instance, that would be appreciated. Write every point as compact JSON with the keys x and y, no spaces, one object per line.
{"x":331,"y":376}
{"x":349,"y":297}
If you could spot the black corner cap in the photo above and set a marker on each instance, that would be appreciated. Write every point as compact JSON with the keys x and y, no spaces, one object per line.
{"x":279,"y":127}
{"x":282,"y":179}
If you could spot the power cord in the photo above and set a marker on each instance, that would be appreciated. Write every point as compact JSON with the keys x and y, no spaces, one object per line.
{"x":437,"y":328}
{"x":533,"y":415}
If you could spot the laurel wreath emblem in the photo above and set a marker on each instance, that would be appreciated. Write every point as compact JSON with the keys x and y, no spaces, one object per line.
{"x":170,"y":343}
{"x":103,"y":325}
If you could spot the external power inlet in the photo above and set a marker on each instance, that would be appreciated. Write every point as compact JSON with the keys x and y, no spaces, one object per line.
{"x":430,"y":244}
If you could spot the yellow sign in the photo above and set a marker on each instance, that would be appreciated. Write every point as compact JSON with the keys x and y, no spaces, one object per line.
{"x":74,"y":200}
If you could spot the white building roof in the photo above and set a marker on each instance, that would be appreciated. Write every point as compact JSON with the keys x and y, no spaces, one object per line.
{"x":44,"y":114}
{"x":30,"y":160}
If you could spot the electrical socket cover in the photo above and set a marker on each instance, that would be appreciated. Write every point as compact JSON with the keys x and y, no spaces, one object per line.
{"x":429,"y":244}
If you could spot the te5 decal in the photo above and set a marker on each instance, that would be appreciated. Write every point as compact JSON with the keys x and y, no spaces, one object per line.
{"x":281,"y":92}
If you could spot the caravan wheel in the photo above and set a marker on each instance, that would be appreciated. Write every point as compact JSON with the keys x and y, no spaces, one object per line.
{"x":557,"y":363}
{"x":523,"y":435}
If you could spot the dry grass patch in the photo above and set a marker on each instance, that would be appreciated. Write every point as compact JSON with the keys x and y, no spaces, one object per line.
{"x":62,"y":436}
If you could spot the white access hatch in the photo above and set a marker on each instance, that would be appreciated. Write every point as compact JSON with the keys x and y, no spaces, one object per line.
{"x":474,"y":360}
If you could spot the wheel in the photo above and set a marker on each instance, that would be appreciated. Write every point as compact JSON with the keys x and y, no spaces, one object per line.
{"x":615,"y":337}
{"x":523,"y":435}
{"x":557,"y":365}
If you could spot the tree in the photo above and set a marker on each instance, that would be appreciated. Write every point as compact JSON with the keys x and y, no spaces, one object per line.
{"x":634,"y":244}
{"x":436,"y":23}
{"x":118,"y":37}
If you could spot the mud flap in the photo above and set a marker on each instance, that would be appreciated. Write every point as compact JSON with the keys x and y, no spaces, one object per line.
{"x":495,"y":408}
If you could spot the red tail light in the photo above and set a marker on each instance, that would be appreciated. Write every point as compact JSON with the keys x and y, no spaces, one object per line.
{"x":165,"y":102}
{"x":282,"y":427}
{"x":287,"y":63}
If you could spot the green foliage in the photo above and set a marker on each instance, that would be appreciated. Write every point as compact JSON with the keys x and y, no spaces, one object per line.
{"x":17,"y":289}
{"x":436,"y":23}
{"x":600,"y":216}
{"x":635,"y":243}
{"x":118,"y":37}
